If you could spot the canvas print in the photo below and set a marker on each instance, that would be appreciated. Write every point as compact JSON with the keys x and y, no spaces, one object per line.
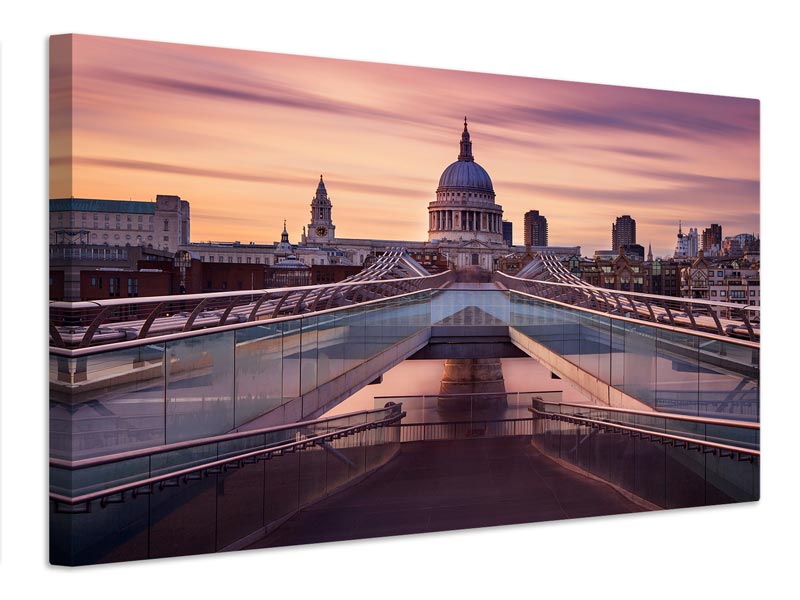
{"x":299,"y":300}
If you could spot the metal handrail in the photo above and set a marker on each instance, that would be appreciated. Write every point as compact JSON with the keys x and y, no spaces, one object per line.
{"x":181,"y":333}
{"x":199,"y":471}
{"x":584,"y":286}
{"x":142,"y":314}
{"x":482,"y":394}
{"x":662,"y":415}
{"x":641,"y":306}
{"x":651,"y":435}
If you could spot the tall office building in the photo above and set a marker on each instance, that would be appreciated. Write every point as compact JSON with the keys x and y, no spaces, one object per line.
{"x":712,"y":240}
{"x":623,"y":232}
{"x":535,"y":229}
{"x":508,"y":232}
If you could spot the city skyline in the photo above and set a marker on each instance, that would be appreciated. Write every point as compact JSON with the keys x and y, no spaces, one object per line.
{"x":244,"y":136}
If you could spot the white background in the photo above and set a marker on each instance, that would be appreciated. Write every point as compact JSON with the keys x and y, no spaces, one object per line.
{"x":728,"y":48}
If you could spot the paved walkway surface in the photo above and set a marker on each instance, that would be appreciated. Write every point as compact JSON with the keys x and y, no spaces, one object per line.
{"x":438,"y":486}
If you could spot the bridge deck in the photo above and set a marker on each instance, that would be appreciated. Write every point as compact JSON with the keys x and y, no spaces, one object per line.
{"x":439,"y":486}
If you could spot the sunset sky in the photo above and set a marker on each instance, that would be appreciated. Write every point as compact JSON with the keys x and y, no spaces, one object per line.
{"x":243,"y":136}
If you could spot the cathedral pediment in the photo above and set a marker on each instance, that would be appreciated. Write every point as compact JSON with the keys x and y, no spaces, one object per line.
{"x":477,"y":244}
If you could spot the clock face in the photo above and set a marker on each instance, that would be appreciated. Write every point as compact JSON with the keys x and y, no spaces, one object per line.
{"x":321,"y":231}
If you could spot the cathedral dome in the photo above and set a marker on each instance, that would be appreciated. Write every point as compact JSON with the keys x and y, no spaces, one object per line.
{"x":466,"y":175}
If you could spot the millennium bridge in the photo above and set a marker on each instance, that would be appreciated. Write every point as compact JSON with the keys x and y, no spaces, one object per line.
{"x":200,"y":423}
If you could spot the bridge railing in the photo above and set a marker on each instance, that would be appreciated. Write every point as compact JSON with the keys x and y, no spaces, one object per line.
{"x":218,"y":492}
{"x":667,"y":368}
{"x":462,"y":416}
{"x":141,"y":393}
{"x":720,"y":318}
{"x":669,"y":461}
{"x":82,"y":324}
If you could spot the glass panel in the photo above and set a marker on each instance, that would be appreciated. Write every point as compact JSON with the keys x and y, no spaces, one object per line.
{"x":241,"y":494}
{"x":685,"y":477}
{"x":258,"y":371}
{"x":329,"y":347}
{"x":678,"y":372}
{"x":183,"y":519}
{"x":291,"y":359}
{"x":354,"y":345}
{"x":308,"y":355}
{"x":639,"y":374}
{"x":107,"y":403}
{"x":114,"y":532}
{"x":729,"y":380}
{"x":282,"y":486}
{"x":311,"y":485}
{"x":200,"y":386}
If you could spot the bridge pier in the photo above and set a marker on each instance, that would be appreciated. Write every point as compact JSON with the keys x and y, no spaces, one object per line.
{"x":483,"y":376}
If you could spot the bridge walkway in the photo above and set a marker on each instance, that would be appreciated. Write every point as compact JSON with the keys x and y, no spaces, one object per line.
{"x":438,"y":486}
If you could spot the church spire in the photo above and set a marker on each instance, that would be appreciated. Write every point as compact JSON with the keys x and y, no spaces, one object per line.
{"x":285,"y":234}
{"x":321,"y":187}
{"x":466,"y":145}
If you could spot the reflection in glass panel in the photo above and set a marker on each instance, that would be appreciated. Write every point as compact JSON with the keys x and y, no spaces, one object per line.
{"x":240,"y":499}
{"x":107,"y":403}
{"x":678,"y":372}
{"x":308,"y":355}
{"x":729,"y":380}
{"x":329,"y":347}
{"x":291,"y":359}
{"x":639,"y":363}
{"x":258,"y":371}
{"x":200,"y":386}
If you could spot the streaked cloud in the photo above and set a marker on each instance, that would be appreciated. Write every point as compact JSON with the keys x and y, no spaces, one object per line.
{"x":244,"y":136}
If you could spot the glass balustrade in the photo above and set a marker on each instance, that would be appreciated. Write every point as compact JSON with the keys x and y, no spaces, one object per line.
{"x":668,"y":471}
{"x":209,"y":509}
{"x":669,"y":370}
{"x":114,"y":400}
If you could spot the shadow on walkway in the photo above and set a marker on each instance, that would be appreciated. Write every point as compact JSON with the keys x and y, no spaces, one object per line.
{"x":439,"y":486}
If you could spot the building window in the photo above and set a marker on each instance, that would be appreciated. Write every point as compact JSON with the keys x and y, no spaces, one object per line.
{"x":202,"y":258}
{"x":219,"y":259}
{"x":713,"y":292}
{"x":239,"y":259}
{"x":249,"y":260}
{"x":722,"y":292}
{"x":210,"y":259}
{"x":166,"y":225}
{"x":133,"y":287}
{"x":113,"y":287}
{"x":166,"y":238}
{"x":230,"y":259}
{"x":258,"y":260}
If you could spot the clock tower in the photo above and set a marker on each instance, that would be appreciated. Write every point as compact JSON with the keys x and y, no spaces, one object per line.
{"x":321,"y":229}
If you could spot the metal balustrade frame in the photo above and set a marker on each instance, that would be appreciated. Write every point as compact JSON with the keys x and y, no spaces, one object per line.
{"x":720,"y":318}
